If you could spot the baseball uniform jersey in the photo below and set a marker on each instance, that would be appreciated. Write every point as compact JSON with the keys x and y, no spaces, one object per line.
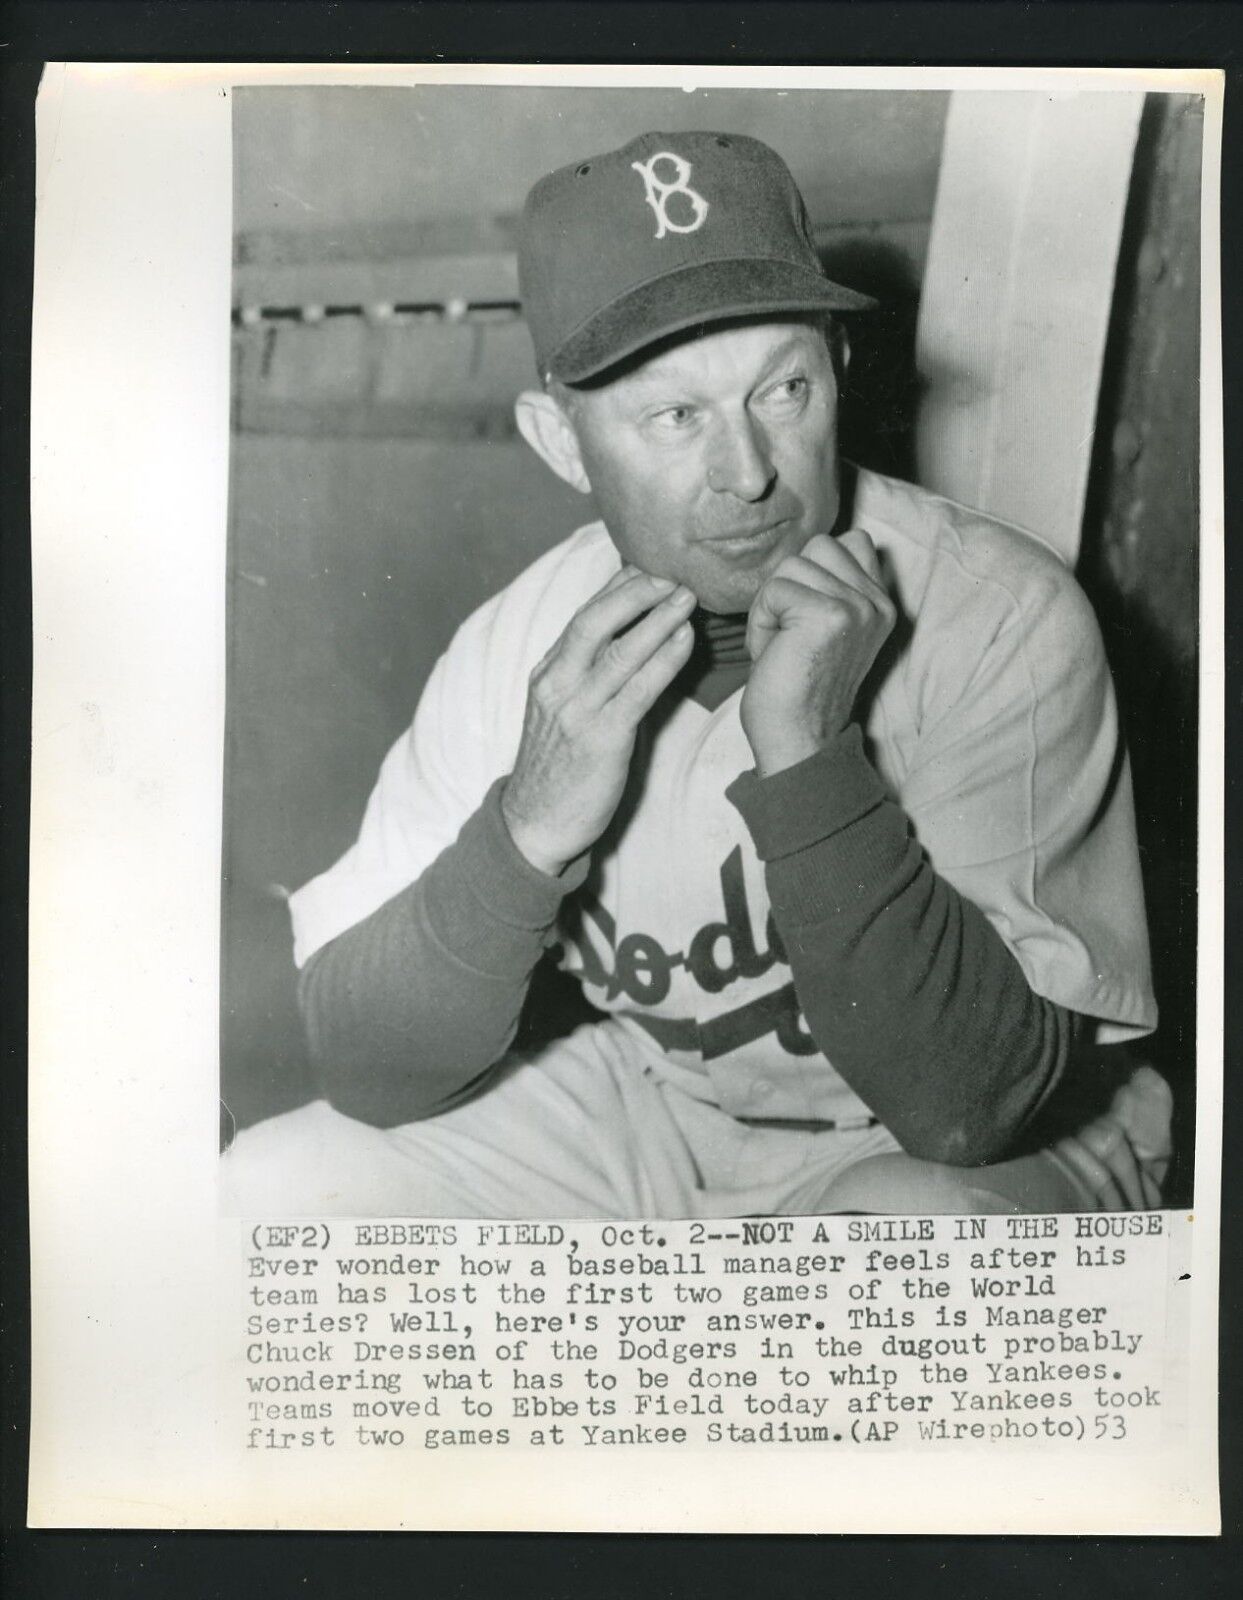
{"x":989,"y":716}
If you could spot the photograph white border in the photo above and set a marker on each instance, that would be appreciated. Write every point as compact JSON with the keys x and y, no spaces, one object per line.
{"x":129,"y":452}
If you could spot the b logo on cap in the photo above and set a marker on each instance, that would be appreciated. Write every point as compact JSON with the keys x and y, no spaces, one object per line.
{"x":660,"y":192}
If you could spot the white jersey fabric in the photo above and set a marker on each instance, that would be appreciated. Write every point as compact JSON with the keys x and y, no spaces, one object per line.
{"x":990,"y":717}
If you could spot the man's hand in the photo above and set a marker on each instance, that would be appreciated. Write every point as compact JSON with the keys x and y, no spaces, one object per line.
{"x":814,"y":631}
{"x":1122,"y":1157}
{"x":586,"y":700}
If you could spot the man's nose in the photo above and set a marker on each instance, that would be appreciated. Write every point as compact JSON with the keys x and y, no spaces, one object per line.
{"x":741,"y":464}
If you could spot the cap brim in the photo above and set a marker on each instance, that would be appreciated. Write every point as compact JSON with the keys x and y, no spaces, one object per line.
{"x":711,"y":291}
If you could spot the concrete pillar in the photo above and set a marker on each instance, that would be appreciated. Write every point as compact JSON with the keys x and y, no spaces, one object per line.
{"x":1016,"y":301}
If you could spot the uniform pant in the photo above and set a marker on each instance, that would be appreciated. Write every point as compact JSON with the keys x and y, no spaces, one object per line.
{"x":588,"y":1128}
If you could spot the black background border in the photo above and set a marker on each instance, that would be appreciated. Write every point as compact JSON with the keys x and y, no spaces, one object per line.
{"x":92,"y":1566}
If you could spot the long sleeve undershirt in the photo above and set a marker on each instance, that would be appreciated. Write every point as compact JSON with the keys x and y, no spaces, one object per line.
{"x":406,"y":1010}
{"x":904,"y":984}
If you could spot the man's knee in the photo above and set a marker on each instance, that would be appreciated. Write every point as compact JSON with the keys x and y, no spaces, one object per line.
{"x":903,"y":1185}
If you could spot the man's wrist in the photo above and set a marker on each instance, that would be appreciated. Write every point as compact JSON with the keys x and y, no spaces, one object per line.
{"x":774,"y":756}
{"x":529,"y":847}
{"x":778,"y":749}
{"x":797,"y":806}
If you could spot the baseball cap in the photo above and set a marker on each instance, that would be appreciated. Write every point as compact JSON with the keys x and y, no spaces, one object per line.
{"x":671,"y":231}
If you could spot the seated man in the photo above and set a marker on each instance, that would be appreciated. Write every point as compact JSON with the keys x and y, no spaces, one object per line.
{"x":812,"y":778}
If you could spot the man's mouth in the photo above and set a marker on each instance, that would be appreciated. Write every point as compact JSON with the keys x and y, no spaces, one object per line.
{"x":747,"y":541}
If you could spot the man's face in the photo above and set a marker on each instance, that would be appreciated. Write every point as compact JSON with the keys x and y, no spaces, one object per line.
{"x":717,"y":459}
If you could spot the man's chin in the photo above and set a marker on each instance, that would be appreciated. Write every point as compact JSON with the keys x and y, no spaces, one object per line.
{"x":729,"y":598}
{"x":727,"y":587}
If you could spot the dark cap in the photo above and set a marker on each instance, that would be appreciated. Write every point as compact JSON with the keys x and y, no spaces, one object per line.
{"x":671,"y":231}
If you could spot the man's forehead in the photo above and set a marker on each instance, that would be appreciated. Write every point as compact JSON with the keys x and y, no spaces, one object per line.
{"x":731,"y":350}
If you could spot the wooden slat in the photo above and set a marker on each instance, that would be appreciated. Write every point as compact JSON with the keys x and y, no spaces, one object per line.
{"x":430,"y":236}
{"x":397,"y":278}
{"x":384,"y":264}
{"x":345,"y":378}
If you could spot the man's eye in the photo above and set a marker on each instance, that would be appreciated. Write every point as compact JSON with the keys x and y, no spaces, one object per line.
{"x":790,"y":391}
{"x":674,"y":417}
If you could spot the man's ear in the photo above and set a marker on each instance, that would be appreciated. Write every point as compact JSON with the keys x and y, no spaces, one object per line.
{"x":550,"y":433}
{"x":839,"y":348}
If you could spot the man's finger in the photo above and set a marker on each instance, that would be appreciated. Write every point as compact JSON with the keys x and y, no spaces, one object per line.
{"x":606,"y":614}
{"x":851,"y":559}
{"x":1144,"y":1106}
{"x":863,"y":550}
{"x":626,"y":571}
{"x":1092,"y":1173}
{"x":780,"y":600}
{"x":625,"y":654}
{"x":813,"y":576}
{"x":623,"y":574}
{"x":1152,"y":1188}
{"x":642,"y":688}
{"x":1107,"y":1141}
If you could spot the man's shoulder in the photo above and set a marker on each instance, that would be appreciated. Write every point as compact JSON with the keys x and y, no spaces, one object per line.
{"x":953,"y":565}
{"x":991,"y":613}
{"x":545,"y":594}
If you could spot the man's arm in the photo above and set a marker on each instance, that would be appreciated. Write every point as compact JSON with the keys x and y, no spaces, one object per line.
{"x":904,"y":983}
{"x":409,"y":1007}
{"x":406,"y":1010}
